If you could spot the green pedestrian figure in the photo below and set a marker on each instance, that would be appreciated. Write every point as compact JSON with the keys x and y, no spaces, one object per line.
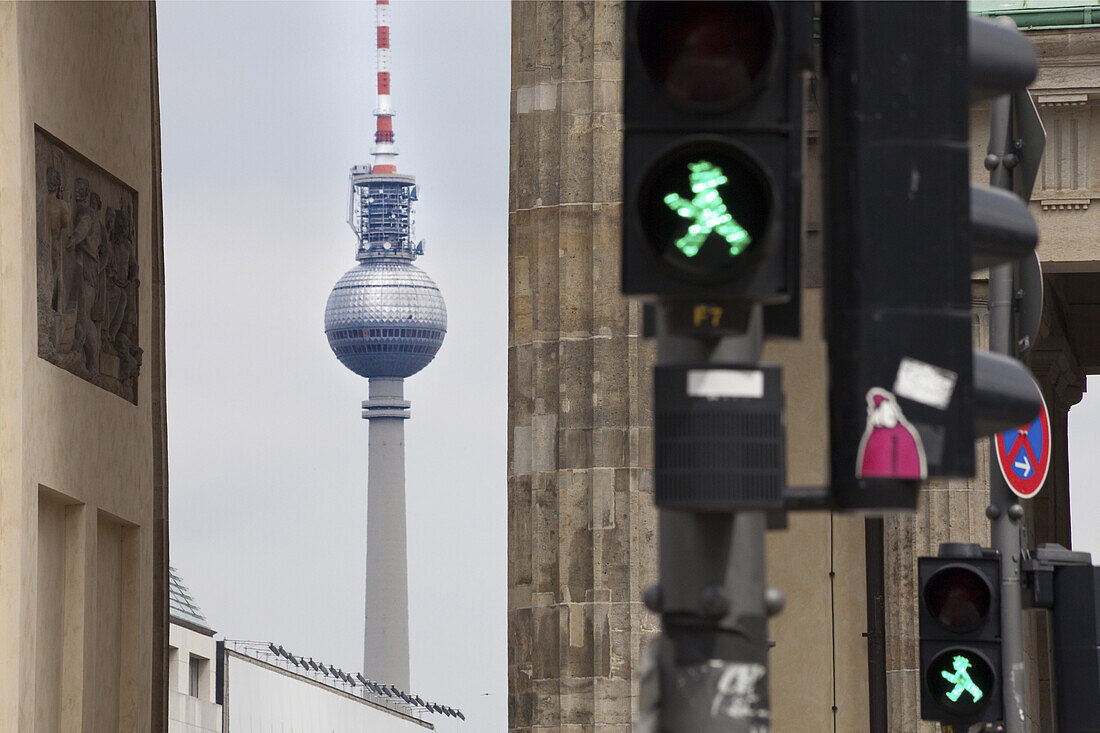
{"x":961,"y":680}
{"x":708,"y":211}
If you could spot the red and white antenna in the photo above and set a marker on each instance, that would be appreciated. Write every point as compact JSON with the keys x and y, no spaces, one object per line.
{"x":384,"y":151}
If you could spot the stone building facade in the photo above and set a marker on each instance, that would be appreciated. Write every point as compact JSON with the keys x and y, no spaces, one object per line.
{"x":83,"y":469}
{"x":582,"y":538}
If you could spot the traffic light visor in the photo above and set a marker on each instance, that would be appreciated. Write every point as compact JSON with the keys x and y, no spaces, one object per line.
{"x":958,"y":598}
{"x":706,"y":52}
{"x":704,"y":206}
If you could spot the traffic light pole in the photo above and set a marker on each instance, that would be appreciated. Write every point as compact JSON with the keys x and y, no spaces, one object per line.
{"x":712,"y":655}
{"x":1004,"y":510}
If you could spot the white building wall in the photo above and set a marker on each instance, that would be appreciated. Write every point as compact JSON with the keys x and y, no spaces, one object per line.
{"x":260,"y":698}
{"x":187,"y":713}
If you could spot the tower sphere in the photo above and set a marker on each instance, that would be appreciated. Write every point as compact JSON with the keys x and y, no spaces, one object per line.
{"x":385,"y":318}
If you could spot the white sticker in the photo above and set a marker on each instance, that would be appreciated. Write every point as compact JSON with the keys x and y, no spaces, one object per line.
{"x":737,"y":696}
{"x":715,"y":384}
{"x":924,"y":383}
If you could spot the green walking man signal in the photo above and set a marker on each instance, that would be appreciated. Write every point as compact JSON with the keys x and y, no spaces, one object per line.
{"x":961,"y":680}
{"x":708,"y":210}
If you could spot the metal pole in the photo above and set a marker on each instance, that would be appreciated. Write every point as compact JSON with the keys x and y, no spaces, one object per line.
{"x":1004,"y":510}
{"x":873,"y":531}
{"x":713,"y":665}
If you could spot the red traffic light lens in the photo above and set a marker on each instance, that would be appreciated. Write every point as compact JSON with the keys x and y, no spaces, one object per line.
{"x":706,"y":52}
{"x":958,"y":598}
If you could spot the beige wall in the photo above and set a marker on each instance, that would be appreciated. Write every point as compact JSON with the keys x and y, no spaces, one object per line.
{"x":76,"y":462}
{"x":818,"y":562}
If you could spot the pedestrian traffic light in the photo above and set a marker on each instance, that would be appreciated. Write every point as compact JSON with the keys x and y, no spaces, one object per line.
{"x":904,"y":231}
{"x":960,"y":635}
{"x":712,"y":161}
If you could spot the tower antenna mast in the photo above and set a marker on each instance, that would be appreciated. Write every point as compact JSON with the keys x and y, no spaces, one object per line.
{"x":384,"y":151}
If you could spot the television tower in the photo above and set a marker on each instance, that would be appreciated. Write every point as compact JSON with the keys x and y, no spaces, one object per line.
{"x":385,"y":320}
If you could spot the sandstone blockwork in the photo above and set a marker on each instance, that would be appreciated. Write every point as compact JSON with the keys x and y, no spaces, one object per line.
{"x":87,"y":268}
{"x":581,"y":523}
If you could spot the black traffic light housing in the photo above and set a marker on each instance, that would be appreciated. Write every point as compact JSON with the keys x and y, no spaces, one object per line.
{"x":1075,"y":628}
{"x":1067,"y":583}
{"x":904,"y":230}
{"x":960,"y":635}
{"x":712,"y":153}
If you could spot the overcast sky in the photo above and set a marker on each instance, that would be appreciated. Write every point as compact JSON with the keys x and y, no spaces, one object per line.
{"x":1084,"y":468}
{"x":265,"y":107}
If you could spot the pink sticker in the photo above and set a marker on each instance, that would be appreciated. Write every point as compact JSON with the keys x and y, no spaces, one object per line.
{"x":891,"y":447}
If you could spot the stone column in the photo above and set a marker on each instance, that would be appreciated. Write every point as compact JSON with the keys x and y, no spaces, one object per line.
{"x":1062,"y":380}
{"x":581,"y":526}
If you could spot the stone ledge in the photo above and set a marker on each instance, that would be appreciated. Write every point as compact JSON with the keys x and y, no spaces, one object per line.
{"x":1065,"y":204}
{"x":1062,"y":100}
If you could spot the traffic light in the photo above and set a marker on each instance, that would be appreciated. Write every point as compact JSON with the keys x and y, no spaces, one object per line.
{"x":712,"y":161}
{"x":904,"y":230}
{"x":1075,"y":628}
{"x":1067,"y":583}
{"x":960,"y":635}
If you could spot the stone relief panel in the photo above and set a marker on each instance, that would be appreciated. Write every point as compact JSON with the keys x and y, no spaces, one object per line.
{"x":87,"y":268}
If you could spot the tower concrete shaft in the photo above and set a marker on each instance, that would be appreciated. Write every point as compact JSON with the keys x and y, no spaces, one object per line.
{"x":386,"y":636}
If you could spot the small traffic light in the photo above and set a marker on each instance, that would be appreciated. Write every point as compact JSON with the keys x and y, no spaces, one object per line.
{"x":1075,"y":628}
{"x":904,"y":231}
{"x":960,"y":635}
{"x":1067,"y":583}
{"x":712,"y":151}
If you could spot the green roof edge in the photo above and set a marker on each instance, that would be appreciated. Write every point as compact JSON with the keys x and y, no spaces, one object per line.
{"x":1031,"y":19}
{"x":1049,"y":18}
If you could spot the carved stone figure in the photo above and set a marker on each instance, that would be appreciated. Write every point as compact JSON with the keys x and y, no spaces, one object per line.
{"x":53,"y":224}
{"x":116,"y":280}
{"x":129,"y":356}
{"x":123,"y":237}
{"x":83,"y":219}
{"x":86,"y":241}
